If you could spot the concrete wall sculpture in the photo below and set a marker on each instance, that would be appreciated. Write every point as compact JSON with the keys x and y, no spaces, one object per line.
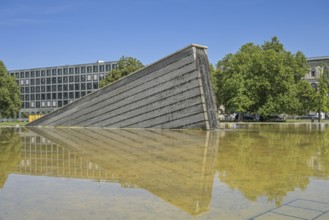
{"x":174,"y":92}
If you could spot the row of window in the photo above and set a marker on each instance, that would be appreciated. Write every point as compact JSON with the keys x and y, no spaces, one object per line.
{"x":45,"y":104}
{"x":59,"y":88}
{"x":64,"y":79}
{"x":49,"y":96}
{"x":64,"y":71}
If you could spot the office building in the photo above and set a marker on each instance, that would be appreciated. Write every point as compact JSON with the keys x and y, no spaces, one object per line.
{"x":316,"y":68}
{"x":46,"y":89}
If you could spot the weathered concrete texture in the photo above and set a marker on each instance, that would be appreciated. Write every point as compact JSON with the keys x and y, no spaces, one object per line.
{"x":174,"y":92}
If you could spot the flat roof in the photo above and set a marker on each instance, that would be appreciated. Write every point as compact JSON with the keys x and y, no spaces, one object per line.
{"x":317,"y":58}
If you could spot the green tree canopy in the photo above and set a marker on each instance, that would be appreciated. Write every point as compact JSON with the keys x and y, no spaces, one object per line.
{"x":10,"y":102}
{"x":125,"y":66}
{"x":263,"y":79}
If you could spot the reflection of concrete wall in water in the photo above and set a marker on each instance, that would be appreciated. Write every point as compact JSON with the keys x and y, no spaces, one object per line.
{"x":175,"y":92}
{"x":176,"y":166}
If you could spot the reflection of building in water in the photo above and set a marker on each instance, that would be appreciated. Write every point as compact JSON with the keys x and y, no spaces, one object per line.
{"x":176,"y":166}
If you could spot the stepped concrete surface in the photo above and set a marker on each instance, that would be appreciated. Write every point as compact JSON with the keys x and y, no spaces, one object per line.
{"x":174,"y":92}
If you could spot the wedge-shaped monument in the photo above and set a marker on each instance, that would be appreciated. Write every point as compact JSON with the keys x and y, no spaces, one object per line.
{"x":174,"y":92}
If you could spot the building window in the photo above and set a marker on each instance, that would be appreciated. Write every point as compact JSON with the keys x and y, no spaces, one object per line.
{"x":101,"y":68}
{"x":43,"y":96}
{"x":114,"y":66}
{"x":83,"y":78}
{"x":71,"y":78}
{"x":48,"y":72}
{"x":59,"y":87}
{"x":37,"y":104}
{"x":65,"y":95}
{"x":43,"y":73}
{"x":53,"y":80}
{"x":37,"y":73}
{"x":60,"y":95}
{"x":65,"y":70}
{"x":27,"y":89}
{"x":32,"y":96}
{"x":65,"y":79}
{"x":77,"y":95}
{"x":32,"y":81}
{"x":54,"y":103}
{"x":59,"y":79}
{"x":59,"y":71}
{"x":83,"y":86}
{"x":37,"y":88}
{"x":83,"y":69}
{"x":32,"y":89}
{"x":53,"y":72}
{"x":65,"y":87}
{"x":108,"y":68}
{"x":43,"y":80}
{"x":71,"y":87}
{"x":89,"y":77}
{"x":43,"y":88}
{"x":53,"y":88}
{"x":48,"y":88}
{"x":95,"y":85}
{"x":77,"y":86}
{"x":95,"y":69}
{"x":37,"y":97}
{"x":101,"y":76}
{"x":43,"y":104}
{"x":77,"y":70}
{"x":17,"y":75}
{"x":71,"y":70}
{"x":22,"y":89}
{"x":32,"y":104}
{"x":71,"y":95}
{"x":27,"y":97}
{"x":89,"y":86}
{"x":95,"y":77}
{"x":27,"y":74}
{"x":48,"y":80}
{"x":89,"y":69}
{"x":53,"y":95}
{"x":48,"y":104}
{"x":37,"y":81}
{"x":313,"y":73}
{"x":60,"y":103}
{"x":77,"y":78}
{"x":22,"y":82}
{"x":26,"y":82}
{"x":83,"y":94}
{"x":22,"y":74}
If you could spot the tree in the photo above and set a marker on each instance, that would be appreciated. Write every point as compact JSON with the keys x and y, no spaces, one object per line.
{"x":262,"y":79}
{"x":125,"y":66}
{"x":10,"y":102}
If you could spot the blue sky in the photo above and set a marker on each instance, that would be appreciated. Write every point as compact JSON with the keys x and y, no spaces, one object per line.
{"x":41,"y":33}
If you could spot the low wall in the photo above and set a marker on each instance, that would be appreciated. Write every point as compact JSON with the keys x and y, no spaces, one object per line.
{"x":174,"y":92}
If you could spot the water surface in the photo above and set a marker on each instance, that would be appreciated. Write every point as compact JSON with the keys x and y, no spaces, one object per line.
{"x":241,"y":172}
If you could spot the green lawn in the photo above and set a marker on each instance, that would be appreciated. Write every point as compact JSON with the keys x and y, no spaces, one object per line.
{"x":12,"y":124}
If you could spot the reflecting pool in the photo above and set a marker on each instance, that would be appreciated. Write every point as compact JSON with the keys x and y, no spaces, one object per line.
{"x":250,"y":171}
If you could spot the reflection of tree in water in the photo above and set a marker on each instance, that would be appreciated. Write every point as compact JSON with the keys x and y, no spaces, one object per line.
{"x":266,"y":162}
{"x":10,"y":146}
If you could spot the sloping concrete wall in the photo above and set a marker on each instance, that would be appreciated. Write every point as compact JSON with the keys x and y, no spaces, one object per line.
{"x":174,"y":92}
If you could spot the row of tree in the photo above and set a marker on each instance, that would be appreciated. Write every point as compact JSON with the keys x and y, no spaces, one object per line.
{"x":260,"y":79}
{"x":268,"y":80}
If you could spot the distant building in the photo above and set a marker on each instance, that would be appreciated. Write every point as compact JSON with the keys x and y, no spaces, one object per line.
{"x":46,"y":89}
{"x":316,"y":68}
